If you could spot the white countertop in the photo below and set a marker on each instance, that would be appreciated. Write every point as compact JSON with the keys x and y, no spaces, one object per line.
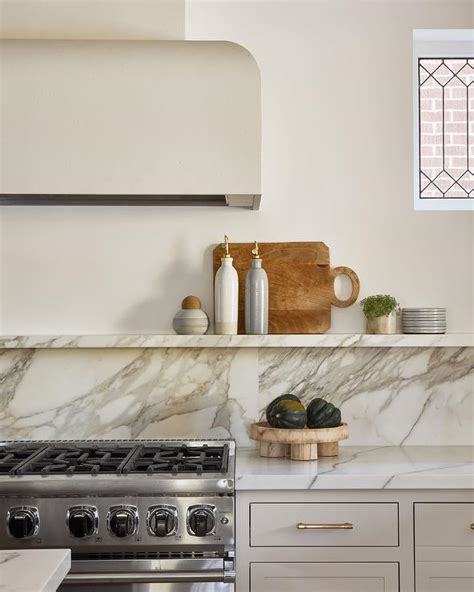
{"x":408,"y":467}
{"x":241,"y":341}
{"x":33,"y":570}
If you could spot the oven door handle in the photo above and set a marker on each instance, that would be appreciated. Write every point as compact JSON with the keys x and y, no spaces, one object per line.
{"x":150,"y":577}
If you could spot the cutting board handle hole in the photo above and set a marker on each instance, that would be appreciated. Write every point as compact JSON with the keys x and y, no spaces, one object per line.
{"x":342,"y":287}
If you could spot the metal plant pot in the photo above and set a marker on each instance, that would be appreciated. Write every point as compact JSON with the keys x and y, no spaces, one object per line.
{"x":386,"y":325}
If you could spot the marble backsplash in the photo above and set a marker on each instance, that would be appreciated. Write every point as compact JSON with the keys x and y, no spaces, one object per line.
{"x":388,"y":396}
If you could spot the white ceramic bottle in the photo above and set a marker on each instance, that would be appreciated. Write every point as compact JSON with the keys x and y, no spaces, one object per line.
{"x":226,"y":295}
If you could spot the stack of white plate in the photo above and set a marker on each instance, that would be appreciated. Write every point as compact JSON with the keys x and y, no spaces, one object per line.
{"x":424,"y":320}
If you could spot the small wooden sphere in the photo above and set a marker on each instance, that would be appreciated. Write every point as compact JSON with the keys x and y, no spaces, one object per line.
{"x":191,"y":302}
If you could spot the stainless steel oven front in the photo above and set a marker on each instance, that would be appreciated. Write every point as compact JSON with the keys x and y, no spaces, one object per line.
{"x":151,"y":575}
{"x":138,"y":516}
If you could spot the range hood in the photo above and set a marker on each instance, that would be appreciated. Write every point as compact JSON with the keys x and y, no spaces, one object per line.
{"x":129,"y":123}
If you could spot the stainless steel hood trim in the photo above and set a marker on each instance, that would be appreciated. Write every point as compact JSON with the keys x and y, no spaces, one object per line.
{"x":247,"y":201}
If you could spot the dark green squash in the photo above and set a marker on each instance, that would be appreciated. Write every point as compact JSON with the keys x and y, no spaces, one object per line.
{"x":322,"y":414}
{"x":277,"y":400}
{"x":287,"y":413}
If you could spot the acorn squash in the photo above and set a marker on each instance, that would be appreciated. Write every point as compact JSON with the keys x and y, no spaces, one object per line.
{"x":277,"y":400}
{"x":322,"y":414}
{"x":287,"y":413}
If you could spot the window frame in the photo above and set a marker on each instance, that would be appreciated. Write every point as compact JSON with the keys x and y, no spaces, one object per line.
{"x":436,"y":43}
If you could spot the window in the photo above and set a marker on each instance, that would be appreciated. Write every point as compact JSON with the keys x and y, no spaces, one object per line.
{"x":444,"y":119}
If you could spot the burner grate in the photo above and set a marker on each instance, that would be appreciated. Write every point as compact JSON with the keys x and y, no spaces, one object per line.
{"x":12,"y":457}
{"x":97,"y":458}
{"x":77,"y":459}
{"x":179,"y":459}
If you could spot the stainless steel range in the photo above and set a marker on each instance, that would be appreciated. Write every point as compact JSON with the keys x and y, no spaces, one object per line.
{"x":139,"y":516}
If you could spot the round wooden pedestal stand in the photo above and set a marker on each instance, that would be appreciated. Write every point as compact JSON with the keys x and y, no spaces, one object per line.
{"x":304,"y":444}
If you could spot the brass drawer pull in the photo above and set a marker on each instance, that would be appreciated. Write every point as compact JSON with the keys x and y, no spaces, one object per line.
{"x":472,"y":526}
{"x":343,"y":526}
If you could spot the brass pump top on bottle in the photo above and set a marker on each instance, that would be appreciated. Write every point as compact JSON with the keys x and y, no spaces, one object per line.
{"x":255,"y":252}
{"x":225,"y":246}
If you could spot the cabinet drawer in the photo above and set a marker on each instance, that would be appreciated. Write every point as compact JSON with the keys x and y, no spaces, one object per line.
{"x":455,"y":576}
{"x":324,"y":577}
{"x":444,"y":525}
{"x":324,"y":525}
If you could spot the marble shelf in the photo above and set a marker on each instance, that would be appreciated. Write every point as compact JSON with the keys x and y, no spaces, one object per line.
{"x":236,"y":341}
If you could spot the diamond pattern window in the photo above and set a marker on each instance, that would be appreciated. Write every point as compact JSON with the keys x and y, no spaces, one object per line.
{"x":444,"y":143}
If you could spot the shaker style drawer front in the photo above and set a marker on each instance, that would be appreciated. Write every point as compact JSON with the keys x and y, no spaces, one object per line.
{"x":324,"y":577}
{"x":444,"y":525}
{"x":324,"y":525}
{"x":445,"y":576}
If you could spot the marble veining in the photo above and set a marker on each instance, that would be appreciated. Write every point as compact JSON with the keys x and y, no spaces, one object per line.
{"x":138,"y":393}
{"x":388,"y":396}
{"x":7,"y":556}
{"x":408,"y":467}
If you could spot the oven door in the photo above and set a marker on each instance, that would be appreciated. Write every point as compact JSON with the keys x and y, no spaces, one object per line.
{"x":155,"y":575}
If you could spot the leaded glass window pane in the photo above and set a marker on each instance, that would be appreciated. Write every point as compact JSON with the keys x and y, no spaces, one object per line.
{"x":446,"y":128}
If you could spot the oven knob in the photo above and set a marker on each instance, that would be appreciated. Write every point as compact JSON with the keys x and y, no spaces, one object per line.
{"x":123,"y":521}
{"x":162,"y":521}
{"x":201,"y":520}
{"x":23,"y":522}
{"x":82,"y":521}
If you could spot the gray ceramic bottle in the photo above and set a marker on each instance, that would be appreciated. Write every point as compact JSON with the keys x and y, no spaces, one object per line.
{"x":256,"y":297}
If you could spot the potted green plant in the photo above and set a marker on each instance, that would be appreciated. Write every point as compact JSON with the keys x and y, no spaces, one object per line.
{"x":381,"y":314}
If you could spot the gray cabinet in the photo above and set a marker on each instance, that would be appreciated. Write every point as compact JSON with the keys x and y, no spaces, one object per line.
{"x":444,"y":525}
{"x":328,"y":525}
{"x":355,"y":541}
{"x":444,"y":576}
{"x":324,"y":577}
{"x":444,"y":547}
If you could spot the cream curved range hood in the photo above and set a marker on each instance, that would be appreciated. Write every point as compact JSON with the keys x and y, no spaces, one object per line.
{"x":129,"y":122}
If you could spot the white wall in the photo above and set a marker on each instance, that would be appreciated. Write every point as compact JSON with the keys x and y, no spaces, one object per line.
{"x":336,"y":166}
{"x":92,"y":19}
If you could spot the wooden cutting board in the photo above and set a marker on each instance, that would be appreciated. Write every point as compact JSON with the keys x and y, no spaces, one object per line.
{"x":301,"y":284}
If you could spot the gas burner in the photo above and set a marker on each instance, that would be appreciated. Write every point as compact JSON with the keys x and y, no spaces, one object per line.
{"x":178,"y":459}
{"x":76,"y":459}
{"x":94,"y":458}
